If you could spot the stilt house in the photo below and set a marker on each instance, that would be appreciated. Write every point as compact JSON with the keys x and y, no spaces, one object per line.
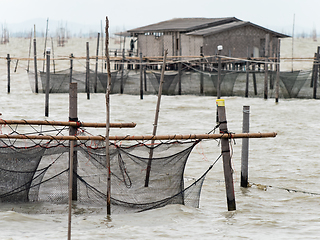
{"x":202,"y":36}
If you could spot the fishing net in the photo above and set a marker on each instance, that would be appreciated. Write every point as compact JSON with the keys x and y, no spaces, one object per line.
{"x":37,"y":171}
{"x":294,"y":84}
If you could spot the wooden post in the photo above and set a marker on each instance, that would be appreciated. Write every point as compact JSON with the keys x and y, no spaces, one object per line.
{"x":73,"y":117}
{"x":96,"y":70}
{"x":35,"y":61}
{"x":141,"y":77}
{"x":201,"y":78}
{"x":8,"y":64}
{"x":155,"y":124}
{"x":179,"y":76}
{"x":315,"y":79}
{"x":88,"y":72}
{"x":314,"y":70}
{"x":71,"y":66}
{"x":70,"y":188}
{"x":266,"y":68}
{"x":278,"y":72}
{"x":247,"y":77}
{"x":108,"y":121}
{"x":122,"y":69}
{"x":225,"y":151}
{"x":145,"y":78}
{"x":254,"y":79}
{"x":47,"y":82}
{"x":245,"y":147}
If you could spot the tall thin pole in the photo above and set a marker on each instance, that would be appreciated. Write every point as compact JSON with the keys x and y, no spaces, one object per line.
{"x":278,"y":72}
{"x":96,"y":70}
{"x":35,"y":61}
{"x":88,"y":72}
{"x":8,"y":64}
{"x":246,"y":94}
{"x":155,"y":125}
{"x":71,"y":66}
{"x":219,"y":76}
{"x":45,"y":46}
{"x":179,"y":76}
{"x":266,"y":67}
{"x":47,"y":83}
{"x":108,"y":121}
{"x":141,"y":77}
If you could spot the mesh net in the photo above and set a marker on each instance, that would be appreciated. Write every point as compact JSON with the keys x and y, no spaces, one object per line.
{"x":294,"y":84}
{"x":38,"y":172}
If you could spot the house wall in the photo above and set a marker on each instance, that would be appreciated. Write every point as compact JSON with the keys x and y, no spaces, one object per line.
{"x":191,"y":45}
{"x":237,"y":42}
{"x":149,"y":45}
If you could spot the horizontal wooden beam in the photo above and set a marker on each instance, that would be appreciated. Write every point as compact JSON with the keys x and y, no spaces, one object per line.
{"x":144,"y":137}
{"x":71,"y":123}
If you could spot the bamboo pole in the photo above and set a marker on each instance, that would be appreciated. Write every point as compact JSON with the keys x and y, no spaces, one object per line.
{"x":122,"y":69}
{"x":71,"y":124}
{"x":155,"y":125}
{"x":87,"y":72}
{"x":141,"y":77}
{"x":71,"y":66}
{"x":219,"y":76}
{"x":278,"y":73}
{"x":266,"y":67}
{"x":246,"y":94}
{"x":107,"y":140}
{"x":35,"y":61}
{"x":179,"y":78}
{"x":144,"y":137}
{"x":8,"y":69}
{"x":47,"y":83}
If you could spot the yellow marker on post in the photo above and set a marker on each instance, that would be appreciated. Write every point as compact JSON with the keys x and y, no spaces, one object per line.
{"x":220,"y":102}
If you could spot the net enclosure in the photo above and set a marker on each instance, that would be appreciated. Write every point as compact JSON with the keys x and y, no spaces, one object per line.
{"x":37,"y":171}
{"x":295,"y":84}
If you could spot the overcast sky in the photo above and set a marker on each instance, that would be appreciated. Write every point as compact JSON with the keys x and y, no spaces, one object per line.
{"x":277,"y":15}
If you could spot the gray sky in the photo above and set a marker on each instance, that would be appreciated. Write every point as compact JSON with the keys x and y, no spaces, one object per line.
{"x":277,"y":15}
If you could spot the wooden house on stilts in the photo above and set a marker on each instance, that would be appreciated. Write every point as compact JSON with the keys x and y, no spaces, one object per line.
{"x":201,"y":36}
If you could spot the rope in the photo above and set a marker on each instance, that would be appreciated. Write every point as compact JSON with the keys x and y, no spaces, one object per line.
{"x":264,"y":187}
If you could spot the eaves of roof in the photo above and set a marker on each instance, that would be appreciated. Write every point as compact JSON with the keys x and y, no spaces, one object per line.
{"x":183,"y":25}
{"x":230,"y":26}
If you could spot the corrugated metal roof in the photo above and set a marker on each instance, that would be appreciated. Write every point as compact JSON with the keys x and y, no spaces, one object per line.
{"x":182,"y":24}
{"x":229,"y":26}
